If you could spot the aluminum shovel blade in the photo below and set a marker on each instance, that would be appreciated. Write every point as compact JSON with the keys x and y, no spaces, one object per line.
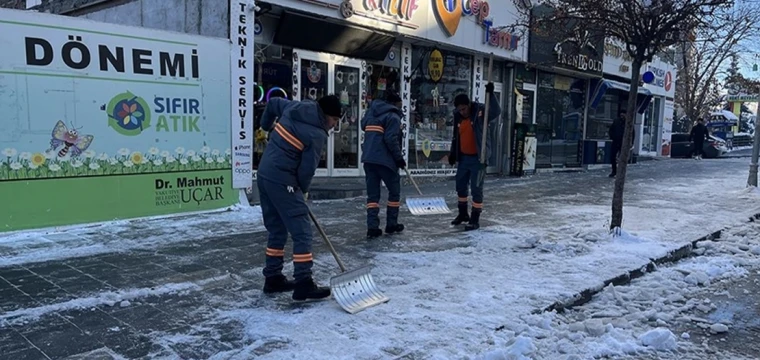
{"x":427,"y":205}
{"x":356,"y":290}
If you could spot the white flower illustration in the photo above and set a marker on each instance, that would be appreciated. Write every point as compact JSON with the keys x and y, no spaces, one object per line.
{"x":15,"y":165}
{"x":9,"y":152}
{"x":50,"y":155}
{"x":157,"y":162}
{"x":33,"y":166}
{"x":54,"y":167}
{"x":124,"y":152}
{"x":197,"y":158}
{"x":113,"y":161}
{"x":215,"y":152}
{"x":220,"y":160}
{"x":25,"y":156}
{"x":179,"y":150}
{"x":228,"y":151}
{"x":153,"y":151}
{"x":89,"y":154}
{"x":76,"y":163}
{"x":190,"y":153}
{"x":205,"y":149}
{"x":128,"y":163}
{"x":183,"y":161}
{"x":165,"y":154}
{"x":94,"y":166}
{"x":103,"y":157}
{"x":209,"y":160}
{"x":170,"y":159}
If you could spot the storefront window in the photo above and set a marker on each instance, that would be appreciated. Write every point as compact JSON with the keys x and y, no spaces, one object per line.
{"x":273,"y":79}
{"x":559,"y":119}
{"x":601,"y":118}
{"x":432,"y":109}
{"x":524,"y":75}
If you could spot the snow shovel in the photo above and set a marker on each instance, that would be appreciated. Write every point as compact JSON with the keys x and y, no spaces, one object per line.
{"x":353,"y":290}
{"x":482,"y":171}
{"x":422,"y":205}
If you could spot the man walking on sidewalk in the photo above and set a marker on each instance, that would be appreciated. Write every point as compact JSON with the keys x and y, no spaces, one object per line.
{"x":466,"y":146}
{"x":698,"y":135}
{"x":285,"y":173}
{"x":616,"y":132}
{"x":382,"y":158}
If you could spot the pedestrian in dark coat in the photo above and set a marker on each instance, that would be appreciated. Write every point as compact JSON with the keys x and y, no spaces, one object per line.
{"x":616,"y":132}
{"x":466,"y":147}
{"x":382,"y":158}
{"x":699,"y":134}
{"x":284,"y":175}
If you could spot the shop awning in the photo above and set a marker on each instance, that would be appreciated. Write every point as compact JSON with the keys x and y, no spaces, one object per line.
{"x":308,"y":33}
{"x":601,"y":86}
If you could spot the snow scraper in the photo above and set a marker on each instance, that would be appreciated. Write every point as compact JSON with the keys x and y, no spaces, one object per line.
{"x":353,"y":290}
{"x":422,"y":205}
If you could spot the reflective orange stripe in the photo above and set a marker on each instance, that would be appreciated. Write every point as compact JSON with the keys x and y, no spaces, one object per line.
{"x":373,"y":205}
{"x":302,"y":257}
{"x":292,"y":140}
{"x":477,"y":205}
{"x":394,"y":204}
{"x":376,"y":128}
{"x":275,"y":252}
{"x":462,"y":199}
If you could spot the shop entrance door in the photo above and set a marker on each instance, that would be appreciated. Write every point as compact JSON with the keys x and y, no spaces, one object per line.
{"x":319,"y":74}
{"x":496,"y":134}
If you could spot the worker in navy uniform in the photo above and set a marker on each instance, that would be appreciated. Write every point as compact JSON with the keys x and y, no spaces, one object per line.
{"x":382,"y":158}
{"x":466,"y":146}
{"x":284,"y":175}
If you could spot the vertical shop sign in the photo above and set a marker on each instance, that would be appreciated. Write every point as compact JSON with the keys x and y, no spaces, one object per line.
{"x":406,"y":93}
{"x":478,"y":87}
{"x":241,"y":79}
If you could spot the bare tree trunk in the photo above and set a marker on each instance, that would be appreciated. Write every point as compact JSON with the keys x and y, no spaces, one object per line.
{"x":625,"y":152}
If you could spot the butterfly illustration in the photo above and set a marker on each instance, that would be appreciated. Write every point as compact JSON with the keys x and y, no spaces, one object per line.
{"x":70,"y":139}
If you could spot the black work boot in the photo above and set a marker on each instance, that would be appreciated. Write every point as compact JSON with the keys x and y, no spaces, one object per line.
{"x":474,"y":223}
{"x":374,"y":233}
{"x":463,"y":216}
{"x":306,"y":289}
{"x":394,"y":229}
{"x":278,"y":284}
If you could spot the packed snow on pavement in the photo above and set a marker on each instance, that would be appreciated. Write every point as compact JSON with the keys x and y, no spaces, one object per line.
{"x":472,"y":300}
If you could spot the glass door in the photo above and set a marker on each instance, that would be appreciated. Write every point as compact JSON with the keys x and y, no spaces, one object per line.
{"x":317,"y":75}
{"x":650,"y":141}
{"x":495,"y":130}
{"x":349,"y":80}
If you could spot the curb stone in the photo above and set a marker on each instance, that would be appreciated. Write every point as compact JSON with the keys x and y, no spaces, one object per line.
{"x":672,"y":256}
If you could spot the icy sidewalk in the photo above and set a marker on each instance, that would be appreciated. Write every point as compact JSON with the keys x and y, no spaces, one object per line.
{"x":452,"y":293}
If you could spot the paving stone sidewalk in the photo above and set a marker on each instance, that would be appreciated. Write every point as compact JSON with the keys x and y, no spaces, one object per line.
{"x":149,"y":277}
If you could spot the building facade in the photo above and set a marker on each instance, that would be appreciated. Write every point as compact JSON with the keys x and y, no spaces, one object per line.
{"x":307,"y":49}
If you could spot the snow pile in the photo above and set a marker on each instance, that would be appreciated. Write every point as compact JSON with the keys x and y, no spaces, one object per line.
{"x":660,"y":339}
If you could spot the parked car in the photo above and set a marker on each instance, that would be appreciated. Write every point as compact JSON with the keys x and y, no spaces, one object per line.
{"x":681,"y":147}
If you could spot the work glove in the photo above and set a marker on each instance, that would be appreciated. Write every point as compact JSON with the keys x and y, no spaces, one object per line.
{"x":401,"y":164}
{"x":489,"y":88}
{"x":306,"y":199}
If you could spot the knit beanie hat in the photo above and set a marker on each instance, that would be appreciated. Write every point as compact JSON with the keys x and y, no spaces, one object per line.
{"x":330,"y":105}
